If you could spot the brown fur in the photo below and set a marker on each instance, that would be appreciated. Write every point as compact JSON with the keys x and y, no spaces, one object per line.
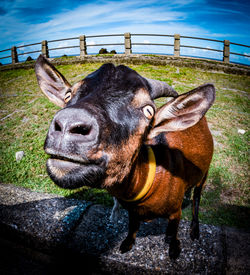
{"x":182,"y":163}
{"x":141,"y":98}
{"x":121,"y":160}
{"x":76,"y":87}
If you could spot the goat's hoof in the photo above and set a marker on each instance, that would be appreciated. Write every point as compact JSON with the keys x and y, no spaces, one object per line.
{"x":195,"y":232}
{"x":174,"y":250}
{"x":126,"y":246}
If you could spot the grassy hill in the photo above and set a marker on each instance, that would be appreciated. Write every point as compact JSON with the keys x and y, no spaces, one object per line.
{"x":25,"y":115}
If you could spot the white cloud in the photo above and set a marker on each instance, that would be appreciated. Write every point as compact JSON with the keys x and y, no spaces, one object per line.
{"x":91,"y":42}
{"x":92,"y":15}
{"x":108,"y":17}
{"x":88,"y":17}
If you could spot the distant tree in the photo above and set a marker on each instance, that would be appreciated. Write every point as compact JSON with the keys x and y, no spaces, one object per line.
{"x":29,"y":58}
{"x":113,"y":52}
{"x":103,"y":51}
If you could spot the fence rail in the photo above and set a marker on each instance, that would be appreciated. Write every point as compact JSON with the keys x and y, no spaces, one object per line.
{"x":179,"y":44}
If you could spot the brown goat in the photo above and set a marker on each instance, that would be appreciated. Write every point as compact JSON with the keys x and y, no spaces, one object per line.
{"x":110,"y":135}
{"x":182,"y":162}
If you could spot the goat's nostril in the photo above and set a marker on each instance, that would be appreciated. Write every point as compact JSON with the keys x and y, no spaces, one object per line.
{"x":83,"y":130}
{"x":57,"y":127}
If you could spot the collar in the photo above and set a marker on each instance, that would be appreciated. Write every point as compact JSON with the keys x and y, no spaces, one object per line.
{"x":151,"y":175}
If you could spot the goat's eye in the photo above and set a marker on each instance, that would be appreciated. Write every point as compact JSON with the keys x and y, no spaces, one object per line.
{"x":68,"y":96}
{"x":148,"y":111}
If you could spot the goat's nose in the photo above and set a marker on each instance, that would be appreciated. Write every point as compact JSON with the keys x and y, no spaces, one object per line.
{"x":74,"y":125}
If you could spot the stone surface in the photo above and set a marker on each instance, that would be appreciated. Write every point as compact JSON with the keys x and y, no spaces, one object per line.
{"x":237,"y":251}
{"x":98,"y":236}
{"x":241,"y":131}
{"x":19,"y":155}
{"x":40,"y":220}
{"x":45,"y":234}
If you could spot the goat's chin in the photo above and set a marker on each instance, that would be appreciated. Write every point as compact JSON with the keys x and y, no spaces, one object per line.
{"x":72,"y":175}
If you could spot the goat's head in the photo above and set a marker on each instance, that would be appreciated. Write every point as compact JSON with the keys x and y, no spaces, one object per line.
{"x":106,"y":118}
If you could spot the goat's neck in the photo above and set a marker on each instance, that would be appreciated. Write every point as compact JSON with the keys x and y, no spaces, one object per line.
{"x":135,"y":181}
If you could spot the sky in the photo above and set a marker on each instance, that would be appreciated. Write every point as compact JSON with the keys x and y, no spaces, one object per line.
{"x":29,"y":21}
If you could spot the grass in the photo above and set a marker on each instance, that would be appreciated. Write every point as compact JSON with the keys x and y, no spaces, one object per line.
{"x":25,"y":115}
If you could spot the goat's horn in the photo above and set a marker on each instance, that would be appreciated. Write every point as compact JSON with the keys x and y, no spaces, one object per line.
{"x":160,"y":89}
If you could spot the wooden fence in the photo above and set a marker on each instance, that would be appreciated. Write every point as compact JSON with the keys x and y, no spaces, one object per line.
{"x":46,"y":47}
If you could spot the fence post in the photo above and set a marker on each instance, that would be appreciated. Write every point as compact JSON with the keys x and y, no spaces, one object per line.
{"x":226,"y":51}
{"x":14,"y":55}
{"x":177,"y":45}
{"x":45,"y":49}
{"x":83,"y":46}
{"x":127,"y":42}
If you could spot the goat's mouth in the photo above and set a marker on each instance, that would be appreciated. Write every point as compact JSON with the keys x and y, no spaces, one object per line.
{"x":71,"y":173}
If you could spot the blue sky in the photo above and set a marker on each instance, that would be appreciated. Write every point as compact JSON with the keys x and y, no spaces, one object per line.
{"x":30,"y":21}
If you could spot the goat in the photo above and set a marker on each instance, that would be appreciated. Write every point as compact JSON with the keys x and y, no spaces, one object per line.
{"x":110,"y":134}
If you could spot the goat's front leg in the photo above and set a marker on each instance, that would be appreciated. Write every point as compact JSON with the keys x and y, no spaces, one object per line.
{"x":171,"y":235}
{"x":134,"y":225}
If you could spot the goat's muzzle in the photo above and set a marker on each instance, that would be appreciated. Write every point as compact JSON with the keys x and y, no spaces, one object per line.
{"x":73,"y":133}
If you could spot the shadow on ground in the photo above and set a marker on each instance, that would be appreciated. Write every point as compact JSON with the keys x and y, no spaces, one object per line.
{"x":45,"y":234}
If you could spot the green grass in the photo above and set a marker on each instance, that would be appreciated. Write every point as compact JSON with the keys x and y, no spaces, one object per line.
{"x":25,"y":114}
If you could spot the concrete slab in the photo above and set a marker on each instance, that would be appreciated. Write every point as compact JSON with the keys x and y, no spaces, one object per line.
{"x":237,"y":251}
{"x":40,"y":220}
{"x":96,"y":235}
{"x":45,"y":234}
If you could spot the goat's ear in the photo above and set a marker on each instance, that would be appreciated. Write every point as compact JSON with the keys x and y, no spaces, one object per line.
{"x":51,"y":81}
{"x":184,"y":111}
